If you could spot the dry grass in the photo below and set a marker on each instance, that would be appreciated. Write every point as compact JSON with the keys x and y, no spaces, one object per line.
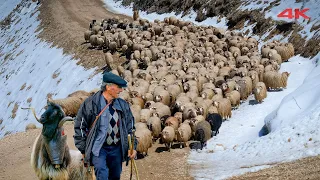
{"x":55,"y":75}
{"x":23,"y":86}
{"x":19,"y":53}
{"x":9,"y":104}
{"x":14,"y":110}
{"x":29,"y":100}
{"x":28,"y":88}
{"x":59,"y":81}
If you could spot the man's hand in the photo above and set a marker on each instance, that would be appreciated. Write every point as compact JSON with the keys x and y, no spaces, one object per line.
{"x":133,"y":155}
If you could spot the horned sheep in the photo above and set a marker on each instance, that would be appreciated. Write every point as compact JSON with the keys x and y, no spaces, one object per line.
{"x":51,"y":157}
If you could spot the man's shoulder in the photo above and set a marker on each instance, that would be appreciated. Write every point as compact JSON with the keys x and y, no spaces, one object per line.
{"x":123,"y":102}
{"x":93,"y":97}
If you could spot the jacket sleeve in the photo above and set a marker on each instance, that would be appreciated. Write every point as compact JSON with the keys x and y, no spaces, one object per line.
{"x":81,"y":128}
{"x":130,"y":125}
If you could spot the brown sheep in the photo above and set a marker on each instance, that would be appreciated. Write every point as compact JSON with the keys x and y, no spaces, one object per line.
{"x":224,"y":107}
{"x":172,"y":121}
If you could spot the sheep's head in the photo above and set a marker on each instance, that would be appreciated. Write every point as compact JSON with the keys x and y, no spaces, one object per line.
{"x":51,"y":119}
{"x":55,"y":142}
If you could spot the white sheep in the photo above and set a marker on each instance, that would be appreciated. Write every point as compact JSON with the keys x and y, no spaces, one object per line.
{"x":167,"y":136}
{"x":184,"y":134}
{"x":144,"y":138}
{"x":234,"y":97}
{"x":154,"y":125}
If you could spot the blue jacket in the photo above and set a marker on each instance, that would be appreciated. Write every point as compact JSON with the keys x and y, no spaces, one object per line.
{"x":89,"y":109}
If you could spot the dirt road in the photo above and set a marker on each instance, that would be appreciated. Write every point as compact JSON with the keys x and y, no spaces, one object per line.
{"x":64,"y":23}
{"x":15,"y":151}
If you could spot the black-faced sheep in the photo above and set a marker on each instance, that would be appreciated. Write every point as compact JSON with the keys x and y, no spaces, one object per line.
{"x":50,"y":157}
{"x":215,"y":121}
{"x":203,"y":133}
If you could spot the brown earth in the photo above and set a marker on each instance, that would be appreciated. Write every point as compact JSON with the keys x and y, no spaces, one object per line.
{"x":306,"y":168}
{"x":15,"y":151}
{"x":64,"y":22}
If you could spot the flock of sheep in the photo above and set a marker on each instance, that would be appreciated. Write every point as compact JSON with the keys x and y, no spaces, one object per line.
{"x":182,"y":78}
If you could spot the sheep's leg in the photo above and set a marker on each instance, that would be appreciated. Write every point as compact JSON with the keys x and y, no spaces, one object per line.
{"x":180,"y":145}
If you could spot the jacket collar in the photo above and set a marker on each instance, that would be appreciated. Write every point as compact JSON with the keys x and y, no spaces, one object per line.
{"x":96,"y":101}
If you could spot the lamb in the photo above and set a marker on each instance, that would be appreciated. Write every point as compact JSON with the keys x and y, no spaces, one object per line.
{"x":260,"y":92}
{"x":184,"y":134}
{"x":144,"y":138}
{"x":224,"y":107}
{"x":61,"y":164}
{"x":215,"y":121}
{"x":275,"y":80}
{"x":167,"y":136}
{"x":203,"y":133}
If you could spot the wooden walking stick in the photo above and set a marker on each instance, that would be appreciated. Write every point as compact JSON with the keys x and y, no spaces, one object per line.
{"x":133,"y":163}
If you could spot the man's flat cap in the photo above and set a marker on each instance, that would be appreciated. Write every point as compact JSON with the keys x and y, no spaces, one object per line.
{"x":112,"y":78}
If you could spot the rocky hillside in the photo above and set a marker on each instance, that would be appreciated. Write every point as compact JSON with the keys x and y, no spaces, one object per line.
{"x":240,"y":14}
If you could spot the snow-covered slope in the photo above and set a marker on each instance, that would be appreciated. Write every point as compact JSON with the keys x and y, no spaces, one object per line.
{"x":33,"y":69}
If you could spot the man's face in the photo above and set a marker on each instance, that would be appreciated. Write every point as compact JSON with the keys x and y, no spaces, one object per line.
{"x":114,"y":90}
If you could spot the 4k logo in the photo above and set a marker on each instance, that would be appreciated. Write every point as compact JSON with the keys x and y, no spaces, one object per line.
{"x":288,"y":13}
